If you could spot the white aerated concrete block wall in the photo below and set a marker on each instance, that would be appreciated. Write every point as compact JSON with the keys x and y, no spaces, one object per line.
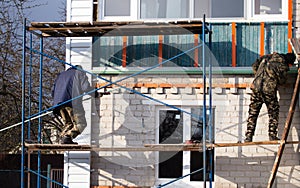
{"x":128,"y":119}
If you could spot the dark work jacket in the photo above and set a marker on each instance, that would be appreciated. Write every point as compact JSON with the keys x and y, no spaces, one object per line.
{"x":69,"y":84}
{"x":270,"y":71}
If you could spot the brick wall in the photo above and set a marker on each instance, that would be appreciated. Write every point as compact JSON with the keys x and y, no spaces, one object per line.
{"x":128,"y":119}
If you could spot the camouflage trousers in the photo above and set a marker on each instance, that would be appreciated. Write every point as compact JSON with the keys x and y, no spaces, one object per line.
{"x":74,"y":123}
{"x":257,"y":99}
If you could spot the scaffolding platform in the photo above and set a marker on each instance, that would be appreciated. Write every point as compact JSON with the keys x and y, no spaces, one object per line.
{"x":75,"y":147}
{"x":149,"y":147}
{"x":125,"y":28}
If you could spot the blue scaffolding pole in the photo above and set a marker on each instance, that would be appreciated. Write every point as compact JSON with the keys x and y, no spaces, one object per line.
{"x":23,"y":104}
{"x":210,"y":120}
{"x":204,"y":103}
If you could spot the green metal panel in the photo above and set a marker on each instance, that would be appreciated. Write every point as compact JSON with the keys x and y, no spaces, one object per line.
{"x":222,"y":43}
{"x":248,"y":40}
{"x":276,"y":37}
{"x":174,"y":46}
{"x":107,"y":51}
{"x":143,"y":50}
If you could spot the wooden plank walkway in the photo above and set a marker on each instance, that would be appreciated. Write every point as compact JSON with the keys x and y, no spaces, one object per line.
{"x":147,"y":147}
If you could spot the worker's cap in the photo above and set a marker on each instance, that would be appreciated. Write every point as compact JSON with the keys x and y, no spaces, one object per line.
{"x":78,"y":67}
{"x":289,"y":58}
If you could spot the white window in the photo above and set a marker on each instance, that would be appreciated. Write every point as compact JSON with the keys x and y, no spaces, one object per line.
{"x":118,"y":10}
{"x":164,"y":9}
{"x":174,"y":127}
{"x":270,"y":9}
{"x":219,"y":8}
{"x":267,"y":7}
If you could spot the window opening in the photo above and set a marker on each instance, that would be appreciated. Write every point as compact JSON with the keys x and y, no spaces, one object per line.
{"x":173,"y":125}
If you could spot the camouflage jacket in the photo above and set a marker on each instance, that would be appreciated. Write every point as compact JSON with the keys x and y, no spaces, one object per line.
{"x":270,"y":71}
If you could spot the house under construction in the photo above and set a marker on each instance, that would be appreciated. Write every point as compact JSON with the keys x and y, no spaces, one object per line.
{"x":164,"y":68}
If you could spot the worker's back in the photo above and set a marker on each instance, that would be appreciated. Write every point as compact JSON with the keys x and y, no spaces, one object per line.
{"x":270,"y":71}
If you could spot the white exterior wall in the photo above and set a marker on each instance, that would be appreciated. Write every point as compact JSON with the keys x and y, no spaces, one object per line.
{"x":247,"y":166}
{"x":77,"y":164}
{"x":296,"y":18}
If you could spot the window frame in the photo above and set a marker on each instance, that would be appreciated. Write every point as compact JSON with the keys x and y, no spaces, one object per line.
{"x":269,"y":17}
{"x":249,"y":13}
{"x":134,"y":12}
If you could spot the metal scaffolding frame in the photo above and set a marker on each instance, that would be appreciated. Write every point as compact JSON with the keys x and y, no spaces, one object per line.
{"x":87,"y":29}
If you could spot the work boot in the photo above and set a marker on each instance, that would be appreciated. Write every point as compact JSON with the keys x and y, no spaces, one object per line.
{"x":67,"y":140}
{"x":273,"y":133}
{"x":273,"y":137}
{"x":248,"y":138}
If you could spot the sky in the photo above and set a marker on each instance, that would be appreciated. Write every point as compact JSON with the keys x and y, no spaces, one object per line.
{"x":49,"y":11}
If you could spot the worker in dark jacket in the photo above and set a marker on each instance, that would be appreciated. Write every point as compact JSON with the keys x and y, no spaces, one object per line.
{"x":70,"y":85}
{"x":270,"y":72}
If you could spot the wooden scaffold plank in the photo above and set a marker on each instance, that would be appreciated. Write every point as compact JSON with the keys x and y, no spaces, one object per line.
{"x":146,"y":147}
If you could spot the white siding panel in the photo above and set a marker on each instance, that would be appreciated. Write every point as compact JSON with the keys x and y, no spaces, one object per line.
{"x":77,"y":164}
{"x":81,"y":4}
{"x":80,"y":18}
{"x":81,"y":12}
{"x":78,"y":155}
{"x":80,"y":50}
{"x":78,"y":178}
{"x":77,"y":169}
{"x":77,"y":185}
{"x":76,"y":60}
{"x":81,"y":42}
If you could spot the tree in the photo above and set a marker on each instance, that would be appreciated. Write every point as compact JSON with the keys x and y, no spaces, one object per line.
{"x":12,"y":15}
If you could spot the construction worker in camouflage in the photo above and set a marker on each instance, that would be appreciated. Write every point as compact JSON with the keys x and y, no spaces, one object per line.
{"x":270,"y":71}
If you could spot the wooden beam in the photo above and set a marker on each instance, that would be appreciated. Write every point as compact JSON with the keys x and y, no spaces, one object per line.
{"x":233,"y":44}
{"x":216,"y":145}
{"x":262,"y":39}
{"x":290,"y":27}
{"x":124,"y":52}
{"x":160,"y":49}
{"x":196,"y":51}
{"x":286,"y":130}
{"x":147,"y":147}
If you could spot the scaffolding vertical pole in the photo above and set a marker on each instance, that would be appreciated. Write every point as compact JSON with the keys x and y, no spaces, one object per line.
{"x":29,"y":107}
{"x":23,"y":102}
{"x":204,"y":102}
{"x":40,"y":109}
{"x":210,"y":111}
{"x":30,"y":88}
